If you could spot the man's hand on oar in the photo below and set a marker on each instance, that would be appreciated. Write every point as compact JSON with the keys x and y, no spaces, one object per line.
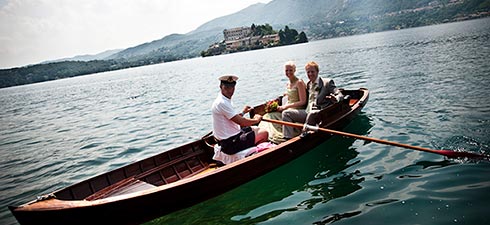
{"x":447,"y":153}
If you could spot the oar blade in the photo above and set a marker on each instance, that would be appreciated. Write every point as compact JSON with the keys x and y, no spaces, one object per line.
{"x":463,"y":154}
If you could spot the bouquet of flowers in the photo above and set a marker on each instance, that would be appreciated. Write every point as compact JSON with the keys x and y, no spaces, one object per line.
{"x":271,"y":106}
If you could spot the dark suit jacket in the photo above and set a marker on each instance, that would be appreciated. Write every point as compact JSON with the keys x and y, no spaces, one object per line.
{"x":327,"y":87}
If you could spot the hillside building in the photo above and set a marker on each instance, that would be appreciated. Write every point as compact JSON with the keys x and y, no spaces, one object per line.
{"x":241,"y":37}
{"x":236,"y":33}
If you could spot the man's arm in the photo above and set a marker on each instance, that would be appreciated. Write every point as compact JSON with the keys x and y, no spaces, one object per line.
{"x":245,"y":122}
{"x":335,"y":95}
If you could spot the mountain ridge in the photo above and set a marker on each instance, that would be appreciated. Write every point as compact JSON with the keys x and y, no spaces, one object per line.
{"x":87,"y":57}
{"x":319,"y":19}
{"x":315,"y":17}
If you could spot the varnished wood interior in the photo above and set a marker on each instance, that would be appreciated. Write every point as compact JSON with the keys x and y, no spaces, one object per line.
{"x":161,"y":169}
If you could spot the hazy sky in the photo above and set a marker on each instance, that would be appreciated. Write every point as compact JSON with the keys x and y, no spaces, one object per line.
{"x":32,"y":31}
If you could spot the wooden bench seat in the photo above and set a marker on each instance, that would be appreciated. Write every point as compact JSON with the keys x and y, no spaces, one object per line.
{"x":125,"y":186}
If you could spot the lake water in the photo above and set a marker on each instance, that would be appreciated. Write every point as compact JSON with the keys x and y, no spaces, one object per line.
{"x":428,"y":86}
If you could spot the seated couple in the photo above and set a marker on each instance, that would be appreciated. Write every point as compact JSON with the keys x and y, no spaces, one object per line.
{"x":304,"y":102}
{"x":227,"y":124}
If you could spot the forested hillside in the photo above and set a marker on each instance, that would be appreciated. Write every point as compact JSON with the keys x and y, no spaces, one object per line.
{"x":319,"y":19}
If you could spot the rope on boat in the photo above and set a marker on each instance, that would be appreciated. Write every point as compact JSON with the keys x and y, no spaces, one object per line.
{"x":45,"y":197}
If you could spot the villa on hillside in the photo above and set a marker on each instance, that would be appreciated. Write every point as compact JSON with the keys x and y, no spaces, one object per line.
{"x":236,"y":33}
{"x":241,"y":38}
{"x":254,"y":37}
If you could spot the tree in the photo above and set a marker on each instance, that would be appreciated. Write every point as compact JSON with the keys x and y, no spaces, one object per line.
{"x":291,"y":36}
{"x":262,"y":30}
{"x":301,"y":38}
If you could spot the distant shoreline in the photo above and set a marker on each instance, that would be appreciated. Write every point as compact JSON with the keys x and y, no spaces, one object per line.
{"x":65,"y":69}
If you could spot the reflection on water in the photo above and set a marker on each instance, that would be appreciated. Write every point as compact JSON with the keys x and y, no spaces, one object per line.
{"x":329,"y":179}
{"x":429,"y":88}
{"x":337,"y":217}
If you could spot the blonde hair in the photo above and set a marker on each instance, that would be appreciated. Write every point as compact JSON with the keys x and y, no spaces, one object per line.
{"x":312,"y":64}
{"x":290,"y":63}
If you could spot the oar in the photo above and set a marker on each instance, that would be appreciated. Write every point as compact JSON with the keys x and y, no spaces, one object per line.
{"x":448,"y":153}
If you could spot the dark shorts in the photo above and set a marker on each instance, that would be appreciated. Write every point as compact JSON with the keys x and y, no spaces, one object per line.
{"x":243,"y":140}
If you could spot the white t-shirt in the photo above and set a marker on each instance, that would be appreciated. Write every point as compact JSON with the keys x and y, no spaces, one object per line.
{"x":223,"y":126}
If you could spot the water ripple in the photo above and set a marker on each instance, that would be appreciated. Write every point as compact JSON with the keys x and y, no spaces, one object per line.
{"x":429,"y":88}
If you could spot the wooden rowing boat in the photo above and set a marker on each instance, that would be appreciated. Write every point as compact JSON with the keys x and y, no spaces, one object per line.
{"x":174,"y":179}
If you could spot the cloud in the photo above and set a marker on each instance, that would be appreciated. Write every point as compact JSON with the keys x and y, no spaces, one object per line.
{"x":36,"y":30}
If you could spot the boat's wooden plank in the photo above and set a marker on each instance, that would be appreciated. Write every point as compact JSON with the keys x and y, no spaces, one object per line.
{"x":208,"y":170}
{"x":135,"y":185}
{"x":172,"y":162}
{"x":108,"y":190}
{"x":128,"y":181}
{"x":99,"y":183}
{"x":81,"y":190}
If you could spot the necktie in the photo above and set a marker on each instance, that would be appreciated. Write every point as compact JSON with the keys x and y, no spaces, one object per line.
{"x":312,"y":97}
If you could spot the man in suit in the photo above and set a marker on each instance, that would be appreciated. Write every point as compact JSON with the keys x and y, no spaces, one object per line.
{"x":321,"y":93}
